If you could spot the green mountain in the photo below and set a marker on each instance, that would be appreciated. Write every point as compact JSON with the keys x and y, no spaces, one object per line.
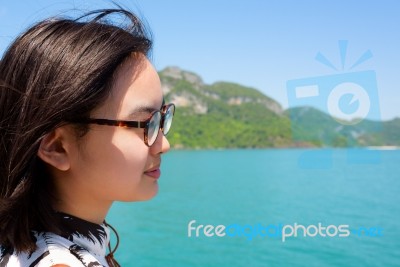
{"x":229,"y":115}
{"x":314,"y":126}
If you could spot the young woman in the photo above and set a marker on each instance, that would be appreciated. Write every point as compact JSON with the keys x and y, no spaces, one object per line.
{"x":83,"y":124}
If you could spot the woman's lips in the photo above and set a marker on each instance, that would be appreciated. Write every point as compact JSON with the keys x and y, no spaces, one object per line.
{"x":155,"y":173}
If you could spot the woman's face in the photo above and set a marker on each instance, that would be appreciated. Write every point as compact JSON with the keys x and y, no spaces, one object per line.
{"x":114,"y":163}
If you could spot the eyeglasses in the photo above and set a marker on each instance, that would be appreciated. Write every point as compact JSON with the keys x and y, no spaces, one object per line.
{"x":159,"y":119}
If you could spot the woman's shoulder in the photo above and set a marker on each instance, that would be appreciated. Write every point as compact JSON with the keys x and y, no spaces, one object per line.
{"x":52,"y":250}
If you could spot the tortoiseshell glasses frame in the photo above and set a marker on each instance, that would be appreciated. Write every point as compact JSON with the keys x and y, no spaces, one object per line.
{"x":158,"y":120}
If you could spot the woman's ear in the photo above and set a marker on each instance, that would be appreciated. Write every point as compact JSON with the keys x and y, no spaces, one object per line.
{"x":52,"y":149}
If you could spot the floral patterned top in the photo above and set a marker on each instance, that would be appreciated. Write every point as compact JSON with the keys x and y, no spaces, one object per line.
{"x":82,"y":243}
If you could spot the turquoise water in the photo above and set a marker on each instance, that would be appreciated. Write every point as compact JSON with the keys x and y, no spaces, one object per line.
{"x":266,"y":187}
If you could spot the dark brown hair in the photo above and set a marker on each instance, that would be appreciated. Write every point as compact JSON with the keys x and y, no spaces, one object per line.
{"x":57,"y":71}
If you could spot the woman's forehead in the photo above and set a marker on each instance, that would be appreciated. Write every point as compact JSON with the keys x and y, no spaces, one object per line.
{"x":136,"y":90}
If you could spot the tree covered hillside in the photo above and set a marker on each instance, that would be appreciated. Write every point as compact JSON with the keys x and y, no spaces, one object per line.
{"x":229,"y":115}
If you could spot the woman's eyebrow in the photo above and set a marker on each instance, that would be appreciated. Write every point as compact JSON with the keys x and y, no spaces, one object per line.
{"x":140,"y":112}
{"x":144,"y":109}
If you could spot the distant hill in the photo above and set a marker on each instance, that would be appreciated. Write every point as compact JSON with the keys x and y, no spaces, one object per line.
{"x":229,"y":115}
{"x":319,"y":128}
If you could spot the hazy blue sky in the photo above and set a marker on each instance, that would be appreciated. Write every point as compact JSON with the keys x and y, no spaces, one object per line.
{"x":261,"y":44}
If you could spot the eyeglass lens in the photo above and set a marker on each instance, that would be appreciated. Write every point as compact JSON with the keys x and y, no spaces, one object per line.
{"x":153,"y":128}
{"x":154,"y":125}
{"x":168,"y":120}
